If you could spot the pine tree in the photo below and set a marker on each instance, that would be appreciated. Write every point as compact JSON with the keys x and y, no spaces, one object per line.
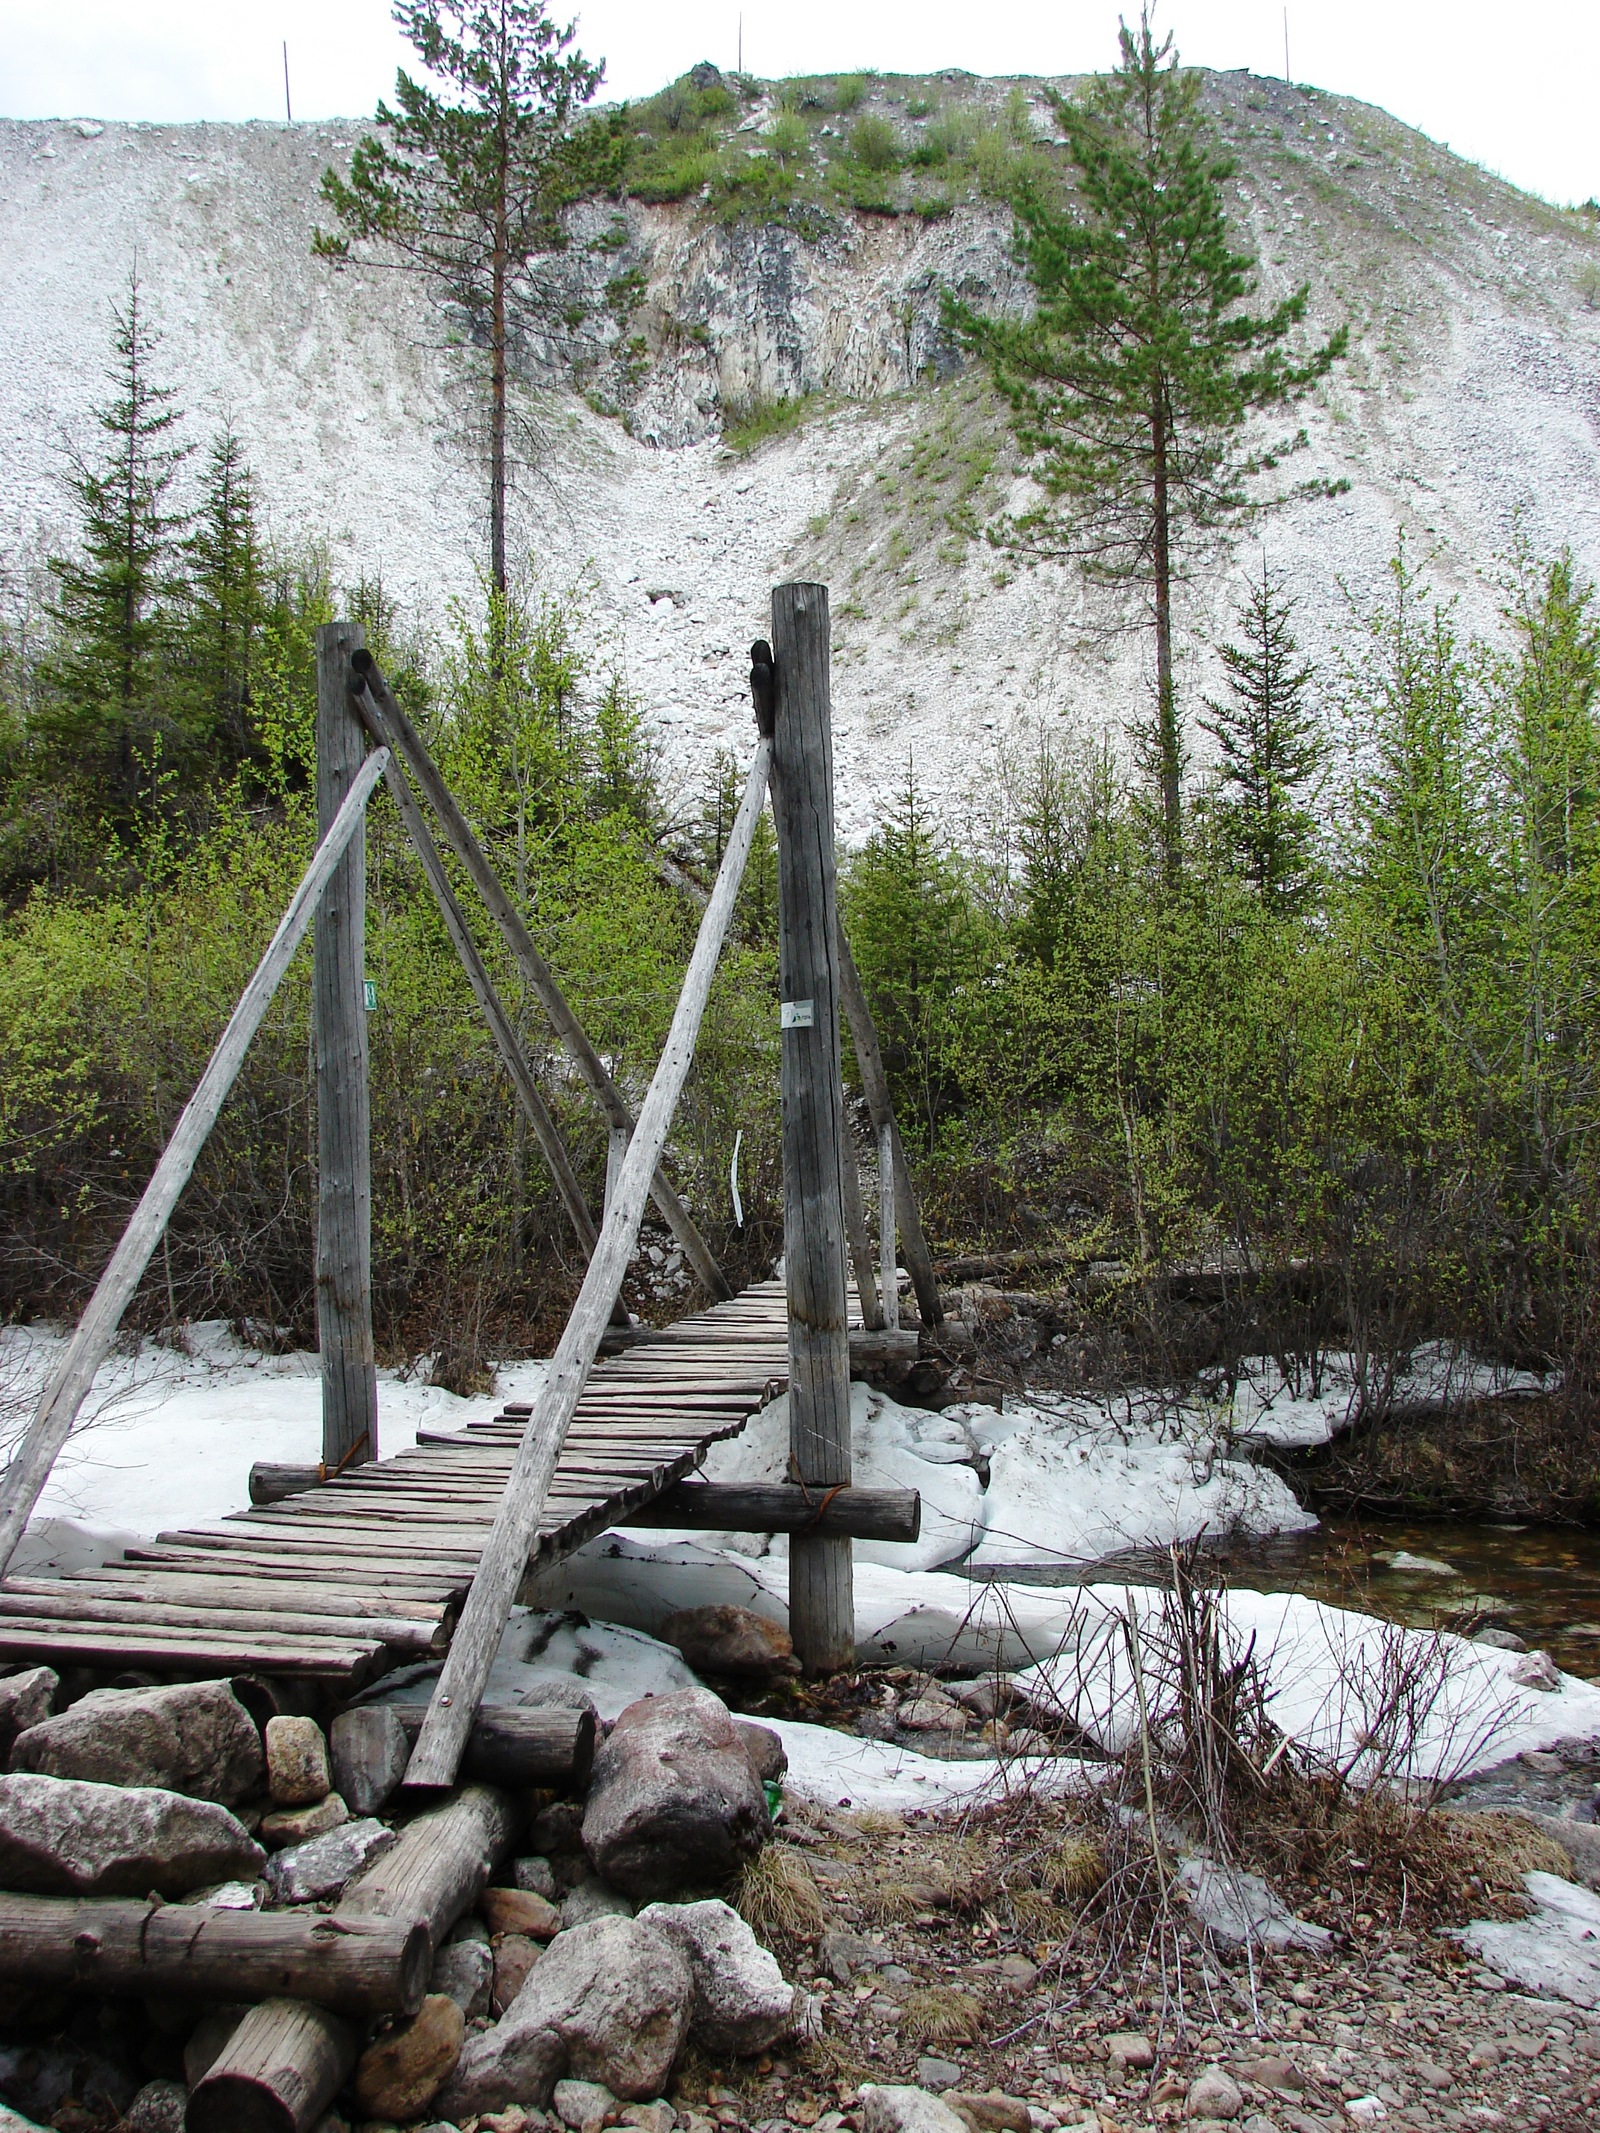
{"x":115,"y":602}
{"x":1131,"y":382}
{"x":466,"y":185}
{"x":1272,"y":749}
{"x":227,"y":596}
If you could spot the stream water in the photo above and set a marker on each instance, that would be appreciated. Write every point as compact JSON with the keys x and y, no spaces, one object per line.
{"x":1540,"y":1582}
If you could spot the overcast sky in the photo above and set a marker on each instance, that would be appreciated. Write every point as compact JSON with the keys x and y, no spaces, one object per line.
{"x":1513,"y":90}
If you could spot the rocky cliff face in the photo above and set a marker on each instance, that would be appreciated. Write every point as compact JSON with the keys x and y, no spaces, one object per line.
{"x":1469,"y":408}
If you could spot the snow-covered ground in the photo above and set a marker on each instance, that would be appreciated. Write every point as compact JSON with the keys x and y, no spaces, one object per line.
{"x":168,"y":1438}
{"x":171,"y":1436}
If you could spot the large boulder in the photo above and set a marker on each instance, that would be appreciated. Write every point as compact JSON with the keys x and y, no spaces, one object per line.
{"x":742,"y":2001}
{"x":196,"y":1738}
{"x":674,"y":1801}
{"x":607,"y":2002}
{"x":62,"y":1837}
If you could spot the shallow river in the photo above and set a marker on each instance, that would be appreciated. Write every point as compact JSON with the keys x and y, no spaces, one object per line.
{"x":1541,"y":1582}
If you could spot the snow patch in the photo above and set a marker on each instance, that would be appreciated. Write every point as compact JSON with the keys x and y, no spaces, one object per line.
{"x":1556,"y":1950}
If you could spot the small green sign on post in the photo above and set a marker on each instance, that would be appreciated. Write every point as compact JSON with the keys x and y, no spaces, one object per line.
{"x":370,"y":987}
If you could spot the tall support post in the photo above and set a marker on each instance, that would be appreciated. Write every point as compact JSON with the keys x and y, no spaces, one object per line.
{"x":821,"y":1596}
{"x":344,"y":1116}
{"x":888,"y":1231}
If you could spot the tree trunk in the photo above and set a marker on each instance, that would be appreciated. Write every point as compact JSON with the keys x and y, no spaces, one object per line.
{"x":1167,"y":751}
{"x":497,"y":430}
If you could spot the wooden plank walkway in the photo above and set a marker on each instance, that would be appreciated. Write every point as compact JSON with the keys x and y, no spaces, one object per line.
{"x":368,"y":1571}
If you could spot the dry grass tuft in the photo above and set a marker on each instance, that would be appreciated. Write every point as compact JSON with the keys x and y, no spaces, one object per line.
{"x":1074,"y":1869}
{"x":879,"y":1822}
{"x":778,"y":1895}
{"x":940,"y":2014}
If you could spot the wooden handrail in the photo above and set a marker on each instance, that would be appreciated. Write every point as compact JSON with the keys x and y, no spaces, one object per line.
{"x":69,"y":1383}
{"x":515,"y":1062}
{"x":459,"y":836}
{"x":437,"y":1755}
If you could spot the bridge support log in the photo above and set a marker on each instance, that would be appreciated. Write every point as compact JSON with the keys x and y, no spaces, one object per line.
{"x":781,"y":1507}
{"x":97,"y":1944}
{"x":521,"y":1745}
{"x":442,"y":1864}
{"x":821,"y":1591}
{"x":278,"y":2072}
{"x":344,"y":1152}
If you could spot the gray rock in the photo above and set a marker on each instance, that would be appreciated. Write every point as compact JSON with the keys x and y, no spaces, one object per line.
{"x":1238,"y":1907}
{"x":1130,"y":2050}
{"x":533,"y":1874}
{"x":937,"y":2074}
{"x":1502,"y":1640}
{"x":297,"y":1762}
{"x":674,"y":1802}
{"x":63,"y":1837}
{"x":609,"y":2002}
{"x":553,"y":1688}
{"x":593,"y":1898}
{"x":843,"y":1953}
{"x":25,"y":1700}
{"x":158,"y":2108}
{"x":369,"y":1751}
{"x":764,"y":1748}
{"x":895,"y":2109}
{"x":1215,"y":2094}
{"x":464,"y":1970}
{"x":742,"y":2001}
{"x":730,"y":1640}
{"x":196,"y":1738}
{"x":321,"y":1867}
{"x":37,"y":2079}
{"x":583,"y":2106}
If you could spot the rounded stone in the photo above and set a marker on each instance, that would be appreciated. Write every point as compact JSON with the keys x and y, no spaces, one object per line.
{"x":1215,"y":2094}
{"x":398,"y":2077}
{"x":298,"y":1774}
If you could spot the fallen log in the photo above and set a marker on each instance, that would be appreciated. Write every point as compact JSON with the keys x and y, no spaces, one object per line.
{"x":520,"y":1745}
{"x":441,"y":1864}
{"x":784,"y":1507}
{"x":278,"y":2072}
{"x":357,"y":1966}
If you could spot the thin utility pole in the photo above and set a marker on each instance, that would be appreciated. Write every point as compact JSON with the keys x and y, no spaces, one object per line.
{"x":739,"y":69}
{"x":287,"y":112}
{"x":1286,"y":44}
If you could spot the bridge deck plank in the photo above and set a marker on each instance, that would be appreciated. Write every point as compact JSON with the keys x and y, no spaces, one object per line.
{"x":362,"y":1572}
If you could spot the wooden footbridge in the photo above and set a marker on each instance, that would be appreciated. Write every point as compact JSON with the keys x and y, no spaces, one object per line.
{"x":346,"y":1570}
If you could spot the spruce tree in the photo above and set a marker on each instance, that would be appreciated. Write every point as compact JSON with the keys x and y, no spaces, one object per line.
{"x":227,"y":596}
{"x":465,"y":184}
{"x":1131,"y":382}
{"x":1272,"y":749}
{"x":115,"y":602}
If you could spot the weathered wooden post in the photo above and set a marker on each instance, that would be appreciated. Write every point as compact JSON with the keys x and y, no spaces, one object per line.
{"x":344,"y":1155}
{"x":821,"y":1597}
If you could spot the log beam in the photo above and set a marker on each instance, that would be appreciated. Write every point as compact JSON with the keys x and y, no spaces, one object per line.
{"x":360,"y":1966}
{"x":784,"y":1507}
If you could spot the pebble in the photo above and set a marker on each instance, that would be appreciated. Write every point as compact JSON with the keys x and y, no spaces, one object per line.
{"x":937,"y":2074}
